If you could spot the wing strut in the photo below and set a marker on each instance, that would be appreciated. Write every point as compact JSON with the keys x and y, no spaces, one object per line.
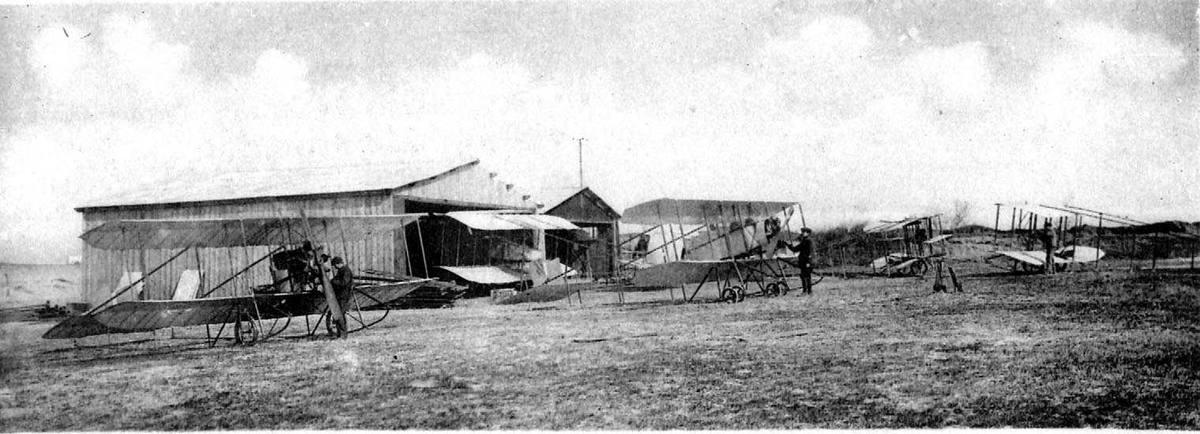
{"x":131,"y":285}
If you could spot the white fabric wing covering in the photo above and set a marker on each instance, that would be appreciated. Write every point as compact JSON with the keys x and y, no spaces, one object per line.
{"x":511,"y":222}
{"x":267,"y":231}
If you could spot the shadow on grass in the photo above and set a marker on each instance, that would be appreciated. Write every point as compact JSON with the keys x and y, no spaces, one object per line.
{"x":540,"y":294}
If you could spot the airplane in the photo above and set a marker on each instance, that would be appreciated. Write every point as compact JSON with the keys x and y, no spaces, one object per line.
{"x":730,"y":243}
{"x":509,"y":261}
{"x":1032,"y":261}
{"x":1029,"y":218}
{"x":250,"y":307}
{"x":915,"y":241}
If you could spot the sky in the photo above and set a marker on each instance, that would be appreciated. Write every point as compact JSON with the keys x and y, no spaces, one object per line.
{"x":858,"y":110}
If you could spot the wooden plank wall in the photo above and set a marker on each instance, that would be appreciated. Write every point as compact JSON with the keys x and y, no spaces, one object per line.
{"x":102,"y":269}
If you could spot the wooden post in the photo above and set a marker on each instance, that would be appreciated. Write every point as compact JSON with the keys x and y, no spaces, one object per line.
{"x":996,"y":229}
{"x":1193,"y":266}
{"x":1012,"y":223}
{"x":1099,"y":240}
{"x":938,"y":286}
{"x":1133,"y":251}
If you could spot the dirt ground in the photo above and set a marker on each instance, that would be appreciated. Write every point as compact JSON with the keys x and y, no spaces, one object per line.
{"x":1086,"y":349}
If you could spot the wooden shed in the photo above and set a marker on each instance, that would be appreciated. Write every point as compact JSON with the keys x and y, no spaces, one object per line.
{"x":599,"y":221}
{"x":360,"y":190}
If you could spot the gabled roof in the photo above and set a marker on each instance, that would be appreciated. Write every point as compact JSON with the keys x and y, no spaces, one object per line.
{"x":583,"y":206}
{"x":283,"y":183}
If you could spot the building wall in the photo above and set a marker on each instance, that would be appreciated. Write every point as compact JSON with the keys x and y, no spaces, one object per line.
{"x":470,"y":185}
{"x":102,"y":269}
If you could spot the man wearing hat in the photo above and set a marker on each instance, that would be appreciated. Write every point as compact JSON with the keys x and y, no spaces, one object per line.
{"x":343,"y":281}
{"x":804,"y":250}
{"x":1050,"y":243}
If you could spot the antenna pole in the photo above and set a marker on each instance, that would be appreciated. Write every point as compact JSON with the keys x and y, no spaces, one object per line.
{"x":580,"y":140}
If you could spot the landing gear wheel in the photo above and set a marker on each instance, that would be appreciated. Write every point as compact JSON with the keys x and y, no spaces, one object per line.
{"x":783,"y":288}
{"x":741,"y":293}
{"x":245,"y":332}
{"x":918,"y":268}
{"x":729,"y":295}
{"x":773,"y":290}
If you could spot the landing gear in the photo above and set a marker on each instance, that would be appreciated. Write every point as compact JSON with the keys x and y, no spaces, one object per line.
{"x":733,"y":294}
{"x":245,"y":332}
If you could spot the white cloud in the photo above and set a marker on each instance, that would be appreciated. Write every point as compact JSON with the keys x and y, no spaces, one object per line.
{"x":823,"y":115}
{"x":959,"y":76}
{"x":281,"y":74}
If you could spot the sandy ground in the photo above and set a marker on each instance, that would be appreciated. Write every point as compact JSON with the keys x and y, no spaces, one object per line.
{"x":1088,"y":349}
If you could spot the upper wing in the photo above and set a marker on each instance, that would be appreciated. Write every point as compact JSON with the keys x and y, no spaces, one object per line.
{"x":699,"y":212}
{"x":486,"y":221}
{"x":262,"y":231}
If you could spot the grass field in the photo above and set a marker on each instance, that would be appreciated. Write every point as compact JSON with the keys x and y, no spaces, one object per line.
{"x":1073,"y":350}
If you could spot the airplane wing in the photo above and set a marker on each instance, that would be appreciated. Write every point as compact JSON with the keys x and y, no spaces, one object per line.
{"x":485,"y":221}
{"x":150,"y":315}
{"x":699,"y":212}
{"x":676,"y":273}
{"x":1065,"y":255}
{"x":259,"y":231}
{"x":484,"y":274}
{"x":1032,"y":257}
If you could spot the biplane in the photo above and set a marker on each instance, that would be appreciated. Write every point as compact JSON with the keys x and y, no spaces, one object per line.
{"x":504,"y":252}
{"x":1027,"y":219}
{"x":250,"y":307}
{"x":1032,"y":261}
{"x":733,"y":244}
{"x":911,"y":245}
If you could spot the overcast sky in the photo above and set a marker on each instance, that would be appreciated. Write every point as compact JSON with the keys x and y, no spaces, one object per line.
{"x":857,"y":110}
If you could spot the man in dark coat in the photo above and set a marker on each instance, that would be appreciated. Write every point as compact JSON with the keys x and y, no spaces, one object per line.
{"x":1050,"y":244}
{"x":342,"y":282}
{"x":804,"y":251}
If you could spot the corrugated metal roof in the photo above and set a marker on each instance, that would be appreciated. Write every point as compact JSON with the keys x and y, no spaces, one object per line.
{"x":281,"y":183}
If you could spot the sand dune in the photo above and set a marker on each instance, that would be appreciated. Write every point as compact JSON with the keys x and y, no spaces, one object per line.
{"x":28,"y":284}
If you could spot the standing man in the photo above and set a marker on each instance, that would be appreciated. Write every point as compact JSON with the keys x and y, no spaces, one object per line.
{"x":804,"y":250}
{"x":1050,"y":243}
{"x":343,"y":284}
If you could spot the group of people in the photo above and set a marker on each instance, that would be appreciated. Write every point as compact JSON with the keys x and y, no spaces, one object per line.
{"x":301,"y":268}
